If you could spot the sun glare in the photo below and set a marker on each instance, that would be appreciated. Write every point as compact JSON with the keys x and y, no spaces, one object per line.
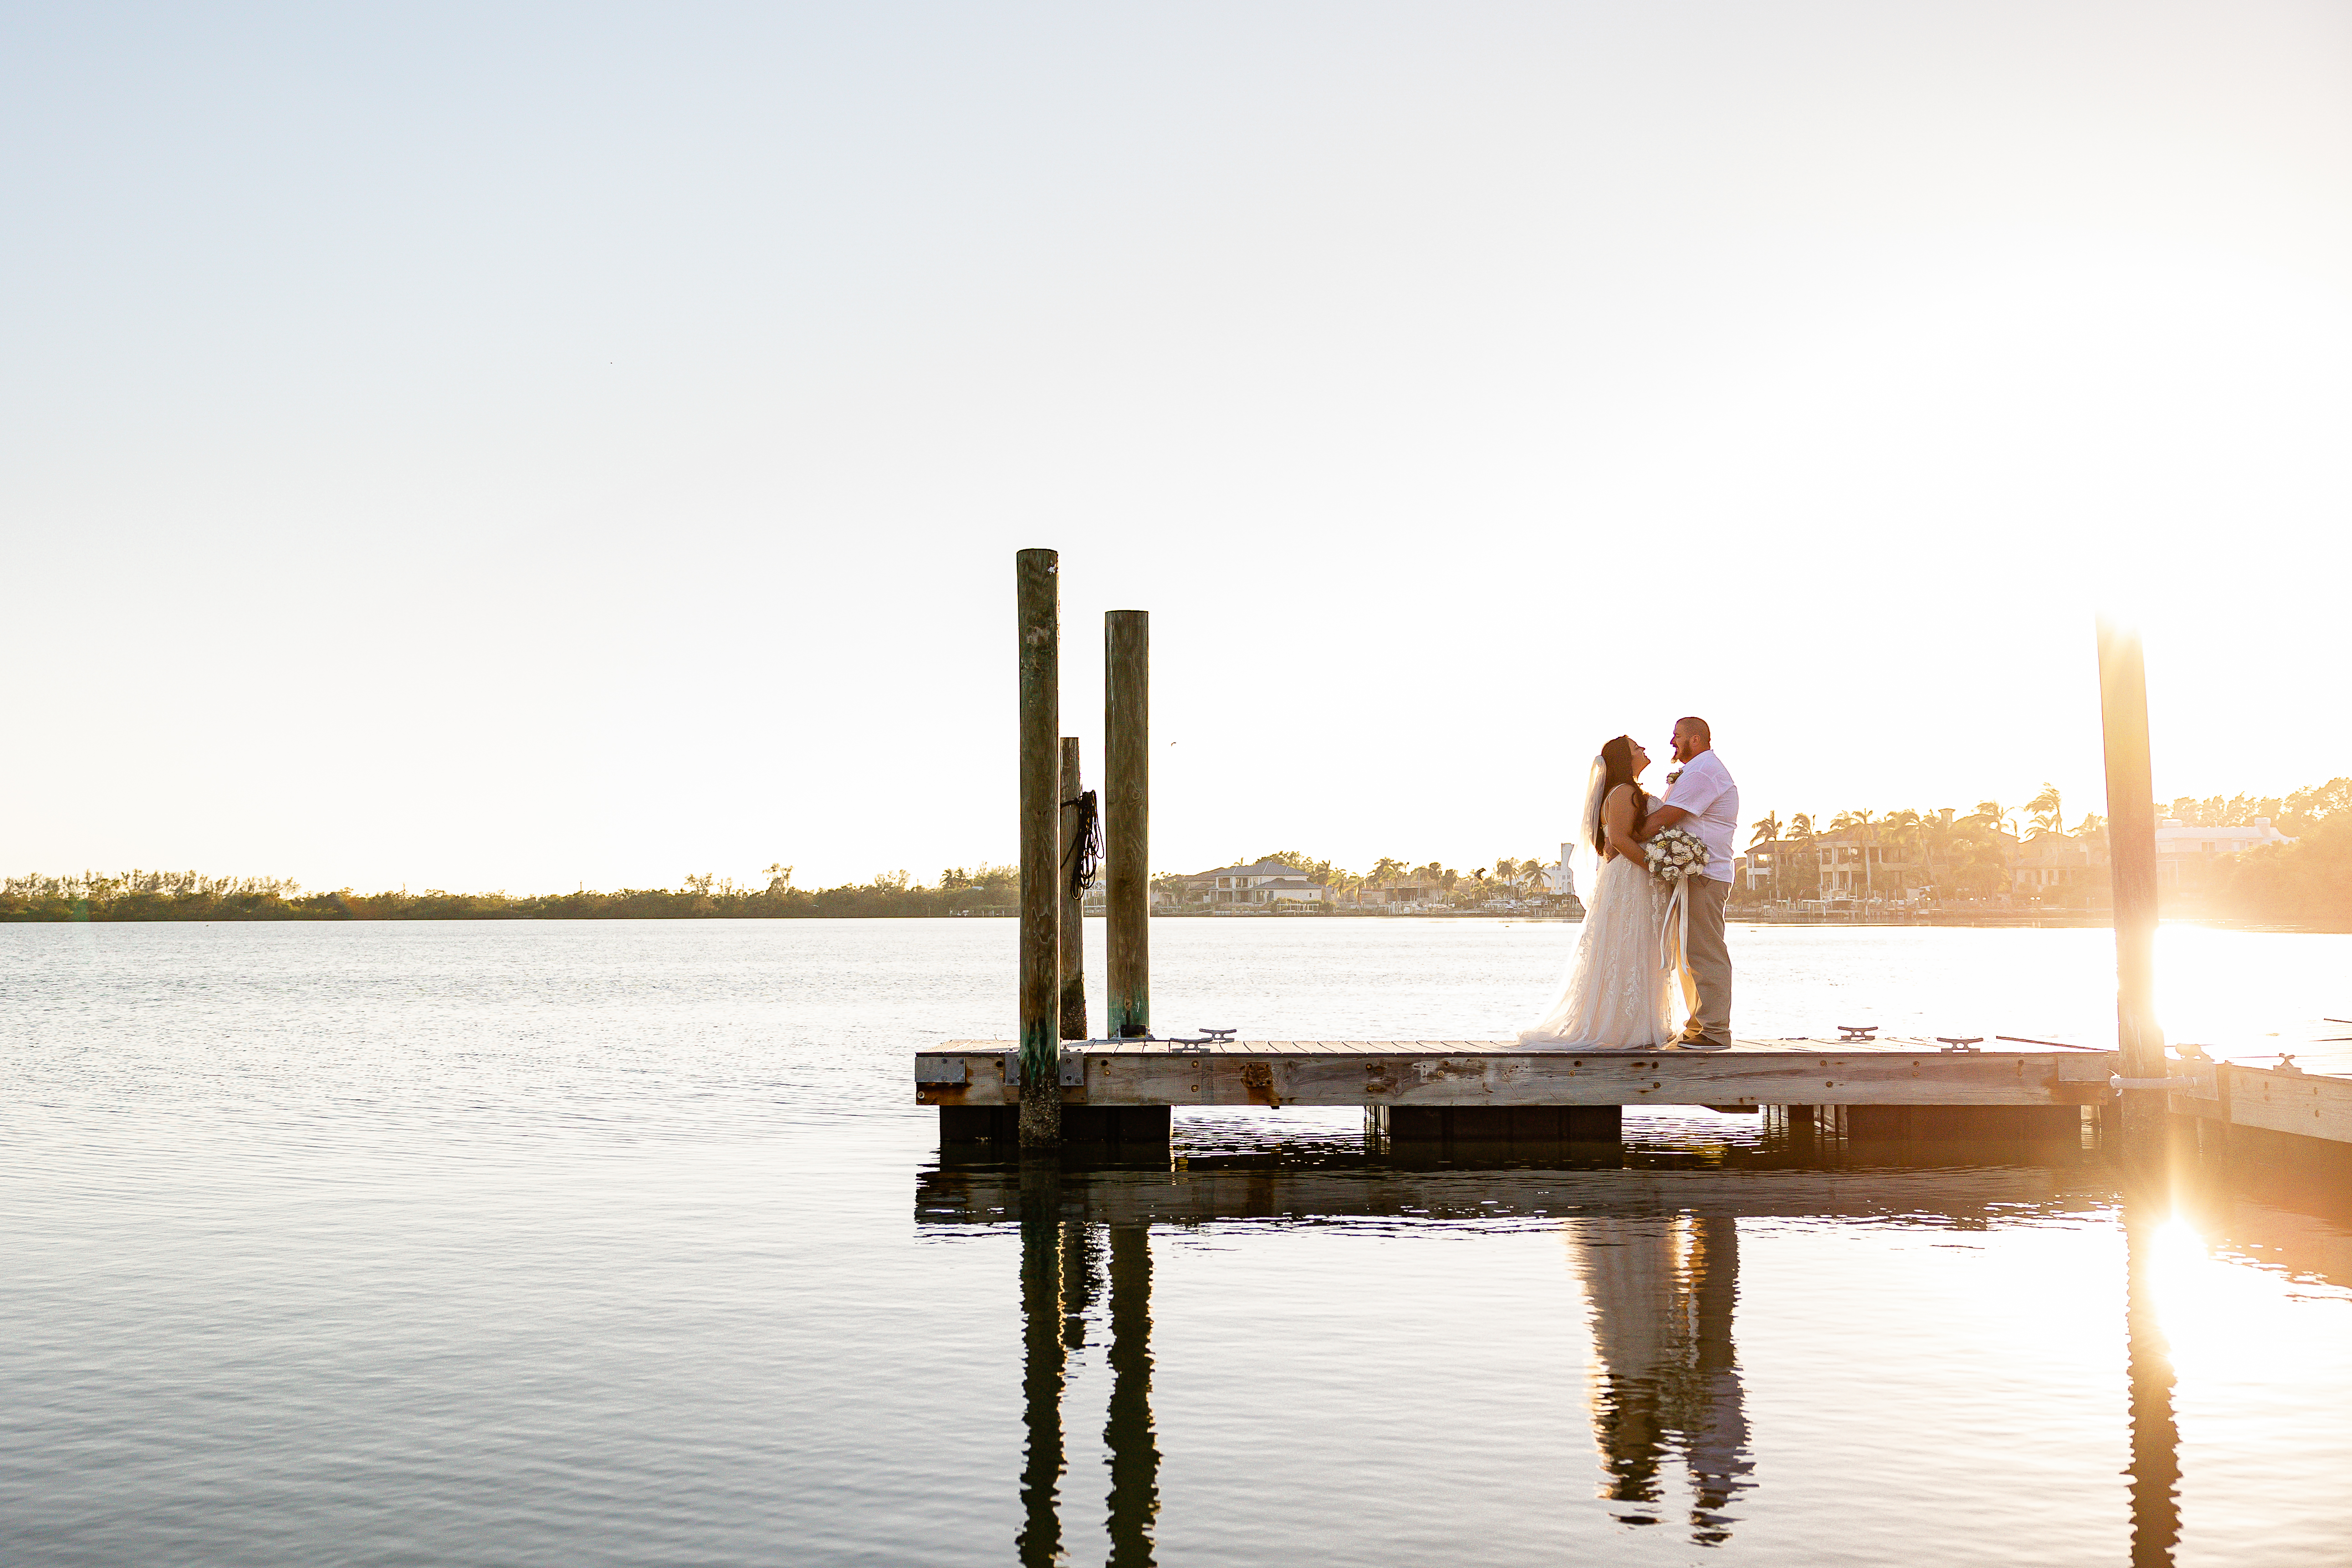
{"x":2222,"y":1316}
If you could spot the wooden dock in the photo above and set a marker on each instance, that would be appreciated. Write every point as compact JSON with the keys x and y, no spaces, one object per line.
{"x":1428,"y":1089}
{"x":2250,"y":1103}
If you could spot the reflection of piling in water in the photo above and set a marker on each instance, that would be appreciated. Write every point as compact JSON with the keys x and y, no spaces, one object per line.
{"x":1661,"y":1295}
{"x":1134,"y":1500}
{"x":1040,"y":1539}
{"x":1061,"y":1281}
{"x":1081,"y":1263}
{"x":2155,"y":1433}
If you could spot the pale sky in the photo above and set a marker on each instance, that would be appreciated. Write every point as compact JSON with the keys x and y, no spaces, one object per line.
{"x":510,"y":445}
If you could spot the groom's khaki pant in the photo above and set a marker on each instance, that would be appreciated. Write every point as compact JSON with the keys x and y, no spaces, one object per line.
{"x":1709,"y":960}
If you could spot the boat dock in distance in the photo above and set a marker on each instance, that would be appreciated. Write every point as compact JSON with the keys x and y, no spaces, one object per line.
{"x":1121,"y":1091}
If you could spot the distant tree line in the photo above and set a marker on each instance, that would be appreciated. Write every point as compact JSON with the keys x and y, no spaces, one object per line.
{"x":2293,"y":815}
{"x":192,"y":895}
{"x":1514,"y":877}
{"x":2307,"y":883}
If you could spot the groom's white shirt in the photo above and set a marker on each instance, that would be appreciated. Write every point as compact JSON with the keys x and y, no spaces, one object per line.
{"x":1705,"y":790}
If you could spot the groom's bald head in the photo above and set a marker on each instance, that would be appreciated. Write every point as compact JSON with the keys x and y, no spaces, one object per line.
{"x":1691,"y":737}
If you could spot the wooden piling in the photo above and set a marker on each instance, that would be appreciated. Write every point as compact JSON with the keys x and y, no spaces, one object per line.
{"x":1070,"y":903}
{"x":1037,"y":576}
{"x":1127,"y":821}
{"x":2131,"y":855}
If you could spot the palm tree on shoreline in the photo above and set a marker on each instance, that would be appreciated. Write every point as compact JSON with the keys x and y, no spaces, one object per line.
{"x":2045,"y":810}
{"x":1936,"y":832}
{"x":1768,"y":831}
{"x":1801,"y":830}
{"x":1903,"y":830}
{"x":1858,"y":822}
{"x":2004,"y":836}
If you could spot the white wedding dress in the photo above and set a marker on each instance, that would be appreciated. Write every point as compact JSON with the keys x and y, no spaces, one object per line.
{"x":1617,"y":997}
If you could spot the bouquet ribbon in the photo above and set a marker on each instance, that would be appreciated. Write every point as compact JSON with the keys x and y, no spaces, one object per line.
{"x":1674,"y":942}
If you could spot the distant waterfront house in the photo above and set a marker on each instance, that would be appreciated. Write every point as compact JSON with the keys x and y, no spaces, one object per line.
{"x":1880,"y":863}
{"x":1858,"y":864}
{"x":2056,"y":867}
{"x":1396,"y":890}
{"x":2185,"y":856}
{"x":1263,"y":882}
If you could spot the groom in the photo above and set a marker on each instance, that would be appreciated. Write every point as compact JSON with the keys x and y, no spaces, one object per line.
{"x":1703,"y":799}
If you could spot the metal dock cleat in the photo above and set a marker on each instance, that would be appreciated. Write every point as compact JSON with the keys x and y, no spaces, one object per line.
{"x":1206,"y":1038}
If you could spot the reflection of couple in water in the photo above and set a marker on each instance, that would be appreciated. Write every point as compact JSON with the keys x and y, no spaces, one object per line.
{"x":1665,"y":1377}
{"x":1652,"y":946}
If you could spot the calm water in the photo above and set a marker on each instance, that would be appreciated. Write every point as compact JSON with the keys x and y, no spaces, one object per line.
{"x":509,"y":1244}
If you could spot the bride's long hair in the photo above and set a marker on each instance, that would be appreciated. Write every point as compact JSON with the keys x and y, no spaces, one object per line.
{"x":1617,"y":767}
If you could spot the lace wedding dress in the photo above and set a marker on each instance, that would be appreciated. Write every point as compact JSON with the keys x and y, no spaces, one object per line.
{"x":1616,"y":997}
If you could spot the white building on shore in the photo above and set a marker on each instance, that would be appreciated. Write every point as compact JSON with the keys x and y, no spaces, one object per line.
{"x":1559,"y":877}
{"x":2185,"y":855}
{"x":1263,"y":882}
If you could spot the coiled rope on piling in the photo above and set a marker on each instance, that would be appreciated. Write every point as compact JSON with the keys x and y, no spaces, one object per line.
{"x":1084,"y":860}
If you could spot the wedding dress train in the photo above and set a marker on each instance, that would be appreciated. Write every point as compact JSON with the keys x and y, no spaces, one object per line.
{"x":1617,"y":997}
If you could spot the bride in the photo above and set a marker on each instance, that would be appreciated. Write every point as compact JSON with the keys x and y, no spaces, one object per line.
{"x":1617,"y":996}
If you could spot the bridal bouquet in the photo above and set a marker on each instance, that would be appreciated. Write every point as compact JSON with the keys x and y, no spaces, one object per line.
{"x":1674,"y":854}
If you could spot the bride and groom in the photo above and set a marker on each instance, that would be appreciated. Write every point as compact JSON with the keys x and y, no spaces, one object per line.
{"x":1643,"y":959}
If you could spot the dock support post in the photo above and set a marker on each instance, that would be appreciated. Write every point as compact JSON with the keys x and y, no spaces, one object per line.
{"x":1037,"y":575}
{"x":1071,"y":904}
{"x":1126,"y":820}
{"x":2131,"y":854}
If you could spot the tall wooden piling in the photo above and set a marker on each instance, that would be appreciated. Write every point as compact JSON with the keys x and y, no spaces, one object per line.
{"x":1126,"y":820}
{"x":2131,"y":858}
{"x":1037,"y":575}
{"x":1071,"y":902}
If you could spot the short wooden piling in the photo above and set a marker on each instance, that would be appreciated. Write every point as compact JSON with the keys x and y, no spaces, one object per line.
{"x":1071,"y":901}
{"x":1037,"y":575}
{"x":1127,"y":821}
{"x":2131,"y":856}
